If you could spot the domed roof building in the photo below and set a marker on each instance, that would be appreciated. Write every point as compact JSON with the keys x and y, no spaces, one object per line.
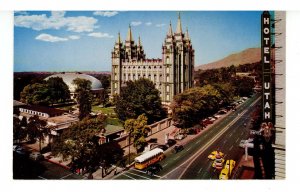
{"x":69,"y":77}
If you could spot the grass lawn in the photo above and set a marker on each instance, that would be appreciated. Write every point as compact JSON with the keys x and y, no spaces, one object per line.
{"x":114,"y":121}
{"x":105,"y":110}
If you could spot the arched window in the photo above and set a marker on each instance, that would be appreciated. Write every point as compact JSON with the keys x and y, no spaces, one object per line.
{"x":168,"y":60}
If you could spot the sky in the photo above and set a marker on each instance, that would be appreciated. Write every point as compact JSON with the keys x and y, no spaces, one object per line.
{"x":83,"y":40}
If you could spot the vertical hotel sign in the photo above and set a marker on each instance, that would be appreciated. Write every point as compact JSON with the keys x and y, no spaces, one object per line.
{"x":266,"y":65}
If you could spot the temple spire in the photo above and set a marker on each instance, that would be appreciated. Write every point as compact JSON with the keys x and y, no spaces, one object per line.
{"x":129,"y":34}
{"x":170,"y":32}
{"x":119,"y":38}
{"x":139,"y":42}
{"x":179,"y":28}
{"x":187,"y":36}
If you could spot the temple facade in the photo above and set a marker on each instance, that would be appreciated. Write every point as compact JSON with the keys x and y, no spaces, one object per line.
{"x":171,"y":75}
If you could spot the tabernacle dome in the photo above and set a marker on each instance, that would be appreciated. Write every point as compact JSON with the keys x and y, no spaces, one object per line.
{"x":69,"y":77}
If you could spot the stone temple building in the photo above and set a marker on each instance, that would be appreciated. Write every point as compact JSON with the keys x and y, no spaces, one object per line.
{"x":171,"y":75}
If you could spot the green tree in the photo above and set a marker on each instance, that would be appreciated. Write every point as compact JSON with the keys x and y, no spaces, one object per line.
{"x":83,"y":96}
{"x":19,"y":130}
{"x":139,"y":97}
{"x":244,"y":86}
{"x":189,"y":107}
{"x":37,"y":130}
{"x":138,"y":130}
{"x":80,"y":143}
{"x":58,"y":90}
{"x":37,"y":94}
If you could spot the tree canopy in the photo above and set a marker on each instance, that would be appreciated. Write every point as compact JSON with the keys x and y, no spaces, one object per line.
{"x":199,"y":102}
{"x":36,"y":129}
{"x":83,"y":96}
{"x":139,"y":97}
{"x":58,"y":90}
{"x":53,"y":90}
{"x":138,"y":130}
{"x":80,"y":143}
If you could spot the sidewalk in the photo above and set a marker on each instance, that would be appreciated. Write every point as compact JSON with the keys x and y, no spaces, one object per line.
{"x":245,"y":168}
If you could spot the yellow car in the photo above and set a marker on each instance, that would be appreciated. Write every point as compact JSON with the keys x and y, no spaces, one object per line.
{"x":218,"y":163}
{"x":224,"y":174}
{"x":227,"y":171}
{"x":230,"y":164}
{"x":215,"y":154}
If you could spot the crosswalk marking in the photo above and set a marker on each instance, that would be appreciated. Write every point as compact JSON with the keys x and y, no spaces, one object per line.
{"x":138,"y":175}
{"x":129,"y":176}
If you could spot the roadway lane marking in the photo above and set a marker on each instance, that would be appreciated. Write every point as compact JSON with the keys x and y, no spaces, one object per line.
{"x":237,"y":140}
{"x":176,"y":158}
{"x":165,"y":165}
{"x":42,"y":177}
{"x":188,"y":149}
{"x":138,"y":175}
{"x":230,"y":135}
{"x":201,"y":150}
{"x":145,"y":173}
{"x":225,"y":141}
{"x":129,"y":176}
{"x":230,"y":147}
{"x":198,"y":142}
{"x":66,"y":176}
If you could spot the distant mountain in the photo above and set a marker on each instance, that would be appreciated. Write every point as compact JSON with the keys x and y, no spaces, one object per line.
{"x":251,"y":55}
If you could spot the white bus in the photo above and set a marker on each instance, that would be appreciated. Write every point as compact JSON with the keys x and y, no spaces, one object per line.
{"x":149,"y":158}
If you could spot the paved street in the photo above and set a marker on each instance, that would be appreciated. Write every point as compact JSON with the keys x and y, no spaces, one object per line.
{"x":192,"y":162}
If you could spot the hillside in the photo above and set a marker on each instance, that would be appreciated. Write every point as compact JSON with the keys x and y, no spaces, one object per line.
{"x":250,"y":55}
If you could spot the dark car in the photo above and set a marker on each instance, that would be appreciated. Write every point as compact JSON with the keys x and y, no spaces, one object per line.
{"x":154,"y":169}
{"x":152,"y":140}
{"x":171,"y":142}
{"x":163,"y":147}
{"x":177,"y":148}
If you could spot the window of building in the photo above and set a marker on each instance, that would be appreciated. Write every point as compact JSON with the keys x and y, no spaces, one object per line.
{"x":168,"y":60}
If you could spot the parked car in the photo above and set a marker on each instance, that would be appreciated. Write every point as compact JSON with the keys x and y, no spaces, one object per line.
{"x":152,"y":140}
{"x":180,"y":136}
{"x":20,"y":150}
{"x":36,"y":156}
{"x":217,"y":116}
{"x":212,"y":119}
{"x":171,"y":142}
{"x":222,"y":112}
{"x":177,"y":148}
{"x":206,"y":122}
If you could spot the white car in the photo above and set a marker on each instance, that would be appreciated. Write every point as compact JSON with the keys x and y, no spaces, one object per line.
{"x":180,"y":136}
{"x":36,"y":156}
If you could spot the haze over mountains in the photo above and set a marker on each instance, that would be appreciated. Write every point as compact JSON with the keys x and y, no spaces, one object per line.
{"x":251,"y":55}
